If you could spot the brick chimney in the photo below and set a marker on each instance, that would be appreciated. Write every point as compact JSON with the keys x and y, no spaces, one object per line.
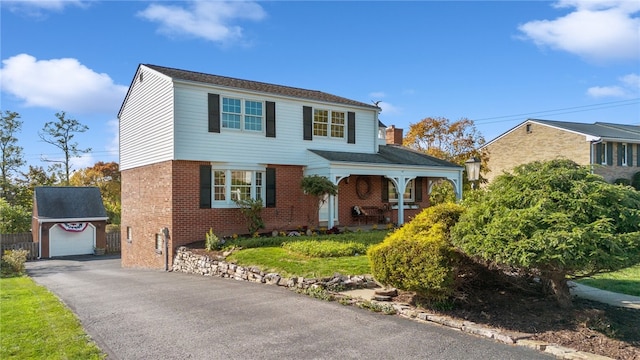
{"x":394,"y":135}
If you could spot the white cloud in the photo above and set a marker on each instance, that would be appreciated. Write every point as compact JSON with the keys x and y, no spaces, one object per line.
{"x":597,"y":30}
{"x":210,"y":20}
{"x":629,"y":87}
{"x":39,"y":7}
{"x":60,"y":84}
{"x":389,"y":109}
{"x":113,"y":147}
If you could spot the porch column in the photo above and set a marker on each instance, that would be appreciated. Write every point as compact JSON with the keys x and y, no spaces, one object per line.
{"x":330,"y":202}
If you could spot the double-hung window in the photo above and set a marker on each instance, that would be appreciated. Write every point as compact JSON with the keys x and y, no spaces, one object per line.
{"x":328,"y":123}
{"x":234,"y":185}
{"x":242,"y":114}
{"x":409,"y":192}
{"x":623,"y":154}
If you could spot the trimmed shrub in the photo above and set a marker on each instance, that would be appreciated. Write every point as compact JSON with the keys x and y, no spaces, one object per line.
{"x":419,"y":256}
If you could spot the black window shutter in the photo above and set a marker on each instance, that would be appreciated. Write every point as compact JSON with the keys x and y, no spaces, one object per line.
{"x":620,"y":154}
{"x":214,"y":113}
{"x":385,"y":189}
{"x":270,"y":201}
{"x":205,"y":186}
{"x":417,"y":182}
{"x":307,"y":123}
{"x":609,"y":153}
{"x":598,"y":159}
{"x":271,"y":119}
{"x":638,"y":154}
{"x":629,"y":155}
{"x":351,"y":127}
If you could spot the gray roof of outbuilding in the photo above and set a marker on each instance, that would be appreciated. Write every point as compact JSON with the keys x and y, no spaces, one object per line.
{"x":598,"y":129}
{"x":69,"y":202}
{"x":388,"y":154}
{"x":257,"y":86}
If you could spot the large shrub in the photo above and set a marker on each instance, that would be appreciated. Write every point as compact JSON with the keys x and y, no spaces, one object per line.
{"x":13,"y":262}
{"x":419,"y":256}
{"x":15,"y":218}
{"x":555,"y":220}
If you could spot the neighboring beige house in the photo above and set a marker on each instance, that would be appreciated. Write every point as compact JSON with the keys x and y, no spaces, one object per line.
{"x":612,"y":149}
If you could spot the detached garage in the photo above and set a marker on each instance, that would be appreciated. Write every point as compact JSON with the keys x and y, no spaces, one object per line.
{"x":68,"y":220}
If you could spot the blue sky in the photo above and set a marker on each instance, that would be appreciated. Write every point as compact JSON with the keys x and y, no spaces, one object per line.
{"x":495,"y":62}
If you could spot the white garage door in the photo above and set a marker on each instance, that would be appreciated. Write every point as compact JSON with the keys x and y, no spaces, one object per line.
{"x":64,"y":243}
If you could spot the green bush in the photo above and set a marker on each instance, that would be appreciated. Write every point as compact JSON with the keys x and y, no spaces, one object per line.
{"x":622,"y":181}
{"x":15,"y":218}
{"x":326,"y":248}
{"x":13,"y":262}
{"x":635,"y":181}
{"x":419,"y":256}
{"x":554,"y":220}
{"x":212,"y":242}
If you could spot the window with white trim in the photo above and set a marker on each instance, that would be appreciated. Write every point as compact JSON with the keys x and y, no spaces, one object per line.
{"x":242,"y":114}
{"x":328,"y":123}
{"x":409,"y":192}
{"x":603,"y":160}
{"x":234,"y":185}
{"x":623,"y":154}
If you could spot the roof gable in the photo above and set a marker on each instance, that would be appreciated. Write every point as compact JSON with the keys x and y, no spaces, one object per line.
{"x":68,"y":202}
{"x":595,"y":131}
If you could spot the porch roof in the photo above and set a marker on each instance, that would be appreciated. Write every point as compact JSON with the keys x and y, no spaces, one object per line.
{"x":387,"y":155}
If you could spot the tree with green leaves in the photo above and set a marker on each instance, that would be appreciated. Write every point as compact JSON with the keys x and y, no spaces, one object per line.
{"x":60,"y":134}
{"x":12,"y":157}
{"x":555,"y":220}
{"x":318,"y":187}
{"x":35,"y":176}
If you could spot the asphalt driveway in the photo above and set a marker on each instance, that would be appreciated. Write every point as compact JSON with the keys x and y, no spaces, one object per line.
{"x":146,"y":314}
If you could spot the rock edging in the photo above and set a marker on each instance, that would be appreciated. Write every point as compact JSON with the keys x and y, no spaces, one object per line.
{"x":188,"y":262}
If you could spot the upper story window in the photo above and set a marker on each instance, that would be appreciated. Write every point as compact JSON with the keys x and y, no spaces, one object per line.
{"x":409,"y":192}
{"x":242,"y":114}
{"x":328,"y":123}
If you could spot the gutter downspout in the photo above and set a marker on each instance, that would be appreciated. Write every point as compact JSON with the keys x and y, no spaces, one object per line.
{"x":165,"y":232}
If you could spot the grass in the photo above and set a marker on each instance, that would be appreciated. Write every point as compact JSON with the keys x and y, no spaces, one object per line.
{"x":625,"y":281}
{"x":315,"y":256}
{"x":36,"y":325}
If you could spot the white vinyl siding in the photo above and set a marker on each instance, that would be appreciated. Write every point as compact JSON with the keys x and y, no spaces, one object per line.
{"x":194,"y":142}
{"x":146,"y":121}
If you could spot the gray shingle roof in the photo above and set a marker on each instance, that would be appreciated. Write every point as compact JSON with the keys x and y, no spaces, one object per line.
{"x":68,"y":202}
{"x":256,"y":86}
{"x":388,"y":154}
{"x":598,"y":129}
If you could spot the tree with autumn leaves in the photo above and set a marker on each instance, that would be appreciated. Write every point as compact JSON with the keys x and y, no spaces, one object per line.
{"x":105,"y":176}
{"x":453,"y":141}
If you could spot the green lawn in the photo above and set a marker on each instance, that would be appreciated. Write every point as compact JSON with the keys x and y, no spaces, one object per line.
{"x":294,"y":260}
{"x":625,"y":281}
{"x":36,"y":325}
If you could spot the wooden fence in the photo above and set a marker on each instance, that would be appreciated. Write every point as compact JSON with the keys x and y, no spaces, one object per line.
{"x":25,"y":241}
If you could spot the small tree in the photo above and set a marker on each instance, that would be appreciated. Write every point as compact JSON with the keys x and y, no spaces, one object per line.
{"x":318,"y":187}
{"x":252,"y":211}
{"x":60,"y":134}
{"x":554,"y":220}
{"x":12,"y":157}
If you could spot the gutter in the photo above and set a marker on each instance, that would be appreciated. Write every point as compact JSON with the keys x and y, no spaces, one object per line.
{"x":71,"y":220}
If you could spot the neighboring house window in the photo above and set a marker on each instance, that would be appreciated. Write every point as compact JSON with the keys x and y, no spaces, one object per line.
{"x":242,"y":114}
{"x":528,"y":128}
{"x":622,"y":154}
{"x":603,"y":159}
{"x":159,"y":243}
{"x":409,"y":192}
{"x":328,"y":123}
{"x":129,"y":234}
{"x":234,"y":185}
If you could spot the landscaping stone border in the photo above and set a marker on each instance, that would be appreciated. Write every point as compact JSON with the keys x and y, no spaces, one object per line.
{"x":188,"y":262}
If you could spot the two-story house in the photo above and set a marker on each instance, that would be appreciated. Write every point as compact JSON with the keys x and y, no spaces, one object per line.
{"x":192,"y":143}
{"x":613,"y":150}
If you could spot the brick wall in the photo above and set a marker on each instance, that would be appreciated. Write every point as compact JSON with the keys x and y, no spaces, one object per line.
{"x":541,"y":143}
{"x":146,"y":208}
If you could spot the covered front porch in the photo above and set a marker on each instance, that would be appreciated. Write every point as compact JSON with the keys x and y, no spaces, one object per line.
{"x":391,"y":186}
